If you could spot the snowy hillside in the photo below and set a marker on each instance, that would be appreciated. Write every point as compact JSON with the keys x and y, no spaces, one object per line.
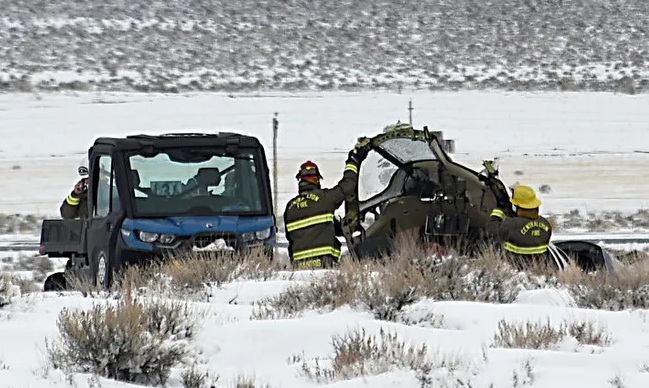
{"x":258,"y":45}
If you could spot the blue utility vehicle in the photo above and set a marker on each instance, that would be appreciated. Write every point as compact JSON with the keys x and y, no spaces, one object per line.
{"x":152,"y":195}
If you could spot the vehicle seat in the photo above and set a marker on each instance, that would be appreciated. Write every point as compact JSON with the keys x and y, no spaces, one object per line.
{"x":208,"y":176}
{"x":420,"y":183}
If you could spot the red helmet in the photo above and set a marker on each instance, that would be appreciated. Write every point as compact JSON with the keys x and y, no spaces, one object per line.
{"x":309,"y":171}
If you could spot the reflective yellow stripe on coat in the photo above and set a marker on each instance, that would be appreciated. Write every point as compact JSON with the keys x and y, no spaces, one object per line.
{"x":314,"y":220}
{"x":314,"y":252}
{"x":351,"y":167}
{"x":498,"y":213}
{"x":537,"y":250}
{"x":72,"y":201}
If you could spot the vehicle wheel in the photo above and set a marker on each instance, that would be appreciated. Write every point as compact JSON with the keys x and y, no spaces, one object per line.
{"x":103,"y":271}
{"x":55,"y":282}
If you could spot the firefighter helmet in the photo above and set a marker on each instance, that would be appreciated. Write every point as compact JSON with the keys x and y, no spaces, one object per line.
{"x":308,"y":171}
{"x":83,"y":167}
{"x":525,"y":197}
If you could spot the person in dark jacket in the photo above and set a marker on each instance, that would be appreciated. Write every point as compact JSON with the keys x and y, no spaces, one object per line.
{"x":75,"y":205}
{"x":524,"y":235}
{"x":311,"y":227}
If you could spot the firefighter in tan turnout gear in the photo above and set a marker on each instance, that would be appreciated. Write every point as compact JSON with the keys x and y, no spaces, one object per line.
{"x":311,"y":228}
{"x":525,"y":235}
{"x":75,"y":204}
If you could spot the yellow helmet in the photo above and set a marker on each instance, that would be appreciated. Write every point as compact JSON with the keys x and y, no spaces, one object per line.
{"x":525,"y":197}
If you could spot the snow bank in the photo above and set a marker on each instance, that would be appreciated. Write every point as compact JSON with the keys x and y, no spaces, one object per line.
{"x":461,"y":346}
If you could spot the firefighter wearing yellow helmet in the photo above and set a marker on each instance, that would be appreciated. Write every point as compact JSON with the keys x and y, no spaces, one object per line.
{"x":524,"y":235}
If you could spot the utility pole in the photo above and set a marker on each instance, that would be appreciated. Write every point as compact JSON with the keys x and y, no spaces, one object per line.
{"x":275,"y":191}
{"x":275,"y":130}
{"x":410,"y":112}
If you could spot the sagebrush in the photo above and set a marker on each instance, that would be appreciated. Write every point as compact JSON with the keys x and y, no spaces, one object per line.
{"x":188,"y":274}
{"x":136,"y":341}
{"x":9,"y":290}
{"x":545,"y":335}
{"x":626,"y":288}
{"x":413,"y":272}
{"x":358,"y":354}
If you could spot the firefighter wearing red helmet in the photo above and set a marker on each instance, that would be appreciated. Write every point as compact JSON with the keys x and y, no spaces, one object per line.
{"x":311,"y":227}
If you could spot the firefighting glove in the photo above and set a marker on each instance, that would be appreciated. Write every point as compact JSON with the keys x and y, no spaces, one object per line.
{"x":81,"y":187}
{"x":503,"y":203}
{"x":491,"y":166}
{"x":360,"y":151}
{"x":338,"y":227}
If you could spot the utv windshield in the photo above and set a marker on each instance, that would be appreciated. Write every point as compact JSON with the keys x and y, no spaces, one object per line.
{"x":407,"y":150}
{"x":197,"y":182}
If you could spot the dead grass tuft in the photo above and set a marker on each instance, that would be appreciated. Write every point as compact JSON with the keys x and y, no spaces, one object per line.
{"x":359,"y":354}
{"x":528,"y":335}
{"x":187,"y":274}
{"x":195,"y":378}
{"x":332,"y":289}
{"x":9,"y":290}
{"x":524,"y":375}
{"x":244,"y":381}
{"x":133,"y":341}
{"x":545,"y":335}
{"x":412,"y":273}
{"x":589,"y":333}
{"x":627,"y":288}
{"x":194,"y":270}
{"x":39,"y":266}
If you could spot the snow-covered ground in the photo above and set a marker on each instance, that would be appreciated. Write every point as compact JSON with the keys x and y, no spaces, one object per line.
{"x":292,"y":45}
{"x":231,"y":344}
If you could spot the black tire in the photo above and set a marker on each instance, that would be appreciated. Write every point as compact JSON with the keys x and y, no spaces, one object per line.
{"x":55,"y":282}
{"x":104,"y":275}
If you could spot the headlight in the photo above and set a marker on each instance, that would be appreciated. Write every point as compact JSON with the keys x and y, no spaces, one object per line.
{"x":247,"y":237}
{"x":166,"y":238}
{"x":258,"y":235}
{"x":263,"y":234}
{"x":147,"y":237}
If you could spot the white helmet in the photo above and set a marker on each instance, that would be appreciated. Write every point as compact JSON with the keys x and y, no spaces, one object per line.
{"x":83,"y":167}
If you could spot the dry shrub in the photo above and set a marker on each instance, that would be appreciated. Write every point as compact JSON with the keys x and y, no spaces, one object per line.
{"x":333,"y":289}
{"x":39,"y":266}
{"x":133,"y":341}
{"x":538,"y":335}
{"x":244,"y":381}
{"x":625,"y":288}
{"x":588,"y":333}
{"x":9,"y":290}
{"x":528,"y":335}
{"x":196,"y":269}
{"x":189,"y":273}
{"x":195,"y":378}
{"x":411,"y":273}
{"x":524,"y":375}
{"x":358,"y":354}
